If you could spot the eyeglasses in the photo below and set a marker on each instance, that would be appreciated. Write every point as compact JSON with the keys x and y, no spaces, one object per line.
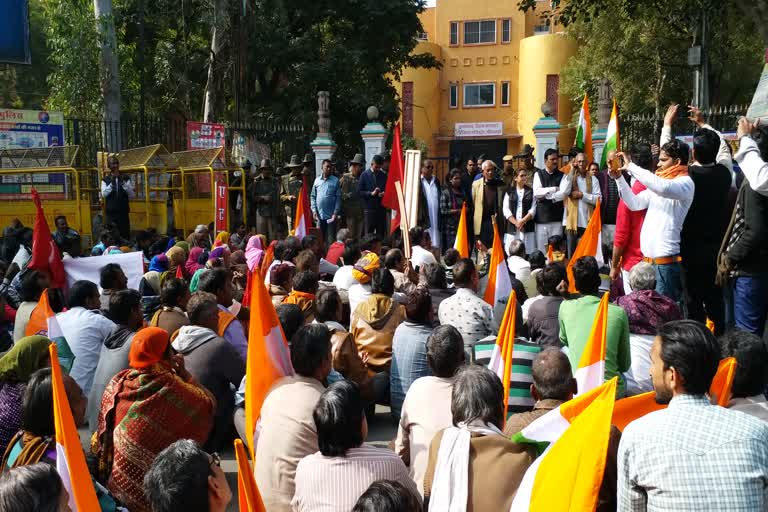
{"x":430,"y":167}
{"x":215,"y":459}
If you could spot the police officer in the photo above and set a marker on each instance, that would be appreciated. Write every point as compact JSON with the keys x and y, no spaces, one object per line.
{"x":290,"y":188}
{"x":265,"y":197}
{"x":351,"y":203}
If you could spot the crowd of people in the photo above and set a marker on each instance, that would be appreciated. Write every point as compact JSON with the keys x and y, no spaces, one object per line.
{"x":157,"y":373}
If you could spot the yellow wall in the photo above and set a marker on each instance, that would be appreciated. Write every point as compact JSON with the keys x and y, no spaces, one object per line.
{"x":524,"y":63}
{"x":541,"y":56}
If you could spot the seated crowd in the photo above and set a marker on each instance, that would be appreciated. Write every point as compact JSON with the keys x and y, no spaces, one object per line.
{"x":157,"y":379}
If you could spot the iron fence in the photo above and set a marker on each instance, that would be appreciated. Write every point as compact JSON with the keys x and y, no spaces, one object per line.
{"x":646,"y":127}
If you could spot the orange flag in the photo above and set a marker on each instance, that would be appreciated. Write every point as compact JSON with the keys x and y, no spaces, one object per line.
{"x":303,"y":220}
{"x":269,"y":257}
{"x":70,"y":459}
{"x":248,"y":495}
{"x":629,"y":409}
{"x":268,"y":357}
{"x":499,"y":284}
{"x":591,"y":370}
{"x":501,"y":358}
{"x":550,"y":255}
{"x":589,"y":245}
{"x":462,"y":243}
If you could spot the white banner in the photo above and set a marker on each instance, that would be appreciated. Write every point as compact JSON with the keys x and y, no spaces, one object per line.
{"x":488,"y":129}
{"x":88,"y":268}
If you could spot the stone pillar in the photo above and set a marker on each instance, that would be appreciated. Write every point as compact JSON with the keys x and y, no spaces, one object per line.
{"x":598,"y":143}
{"x":374,"y":135}
{"x":604,"y":107}
{"x":546,"y":131}
{"x":323,"y":145}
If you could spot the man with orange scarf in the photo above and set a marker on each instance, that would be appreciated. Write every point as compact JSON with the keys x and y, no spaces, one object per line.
{"x":668,"y":198}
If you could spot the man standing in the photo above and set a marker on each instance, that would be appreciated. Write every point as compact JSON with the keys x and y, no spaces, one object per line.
{"x":485,"y":195}
{"x":117,"y":190}
{"x":351,"y":204}
{"x":692,"y":455}
{"x":290,"y":188}
{"x":583,"y":194}
{"x":429,"y":202}
{"x":549,"y":200}
{"x":325,"y":202}
{"x":706,"y":222}
{"x":668,"y":197}
{"x":467,"y":178}
{"x":508,"y":170}
{"x":609,"y":203}
{"x":308,"y":165}
{"x":371,"y":189}
{"x":266,"y":197}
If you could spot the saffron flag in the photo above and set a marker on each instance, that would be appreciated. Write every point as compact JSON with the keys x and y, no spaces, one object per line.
{"x":249,"y":277}
{"x":569,"y":472}
{"x":302,"y":222}
{"x":591,"y":371}
{"x":42,"y":322}
{"x":499,"y":285}
{"x":395,"y":174}
{"x":501,"y":358}
{"x":45,"y":253}
{"x":584,"y":131}
{"x":612,"y":142}
{"x":268,"y":357}
{"x":462,"y":242}
{"x":591,"y":244}
{"x":249,"y":499}
{"x":631,"y":408}
{"x":70,"y":459}
{"x":550,"y":254}
{"x":269,"y":257}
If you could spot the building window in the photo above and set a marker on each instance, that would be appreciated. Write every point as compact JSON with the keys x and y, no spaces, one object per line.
{"x":480,"y":95}
{"x":422,"y":36}
{"x":479,"y":32}
{"x":505,"y":94}
{"x":540,"y":30}
{"x":506,"y":31}
{"x":453,"y":96}
{"x":454,"y":33}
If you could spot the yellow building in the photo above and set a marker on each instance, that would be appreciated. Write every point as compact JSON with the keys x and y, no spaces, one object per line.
{"x":498,"y":66}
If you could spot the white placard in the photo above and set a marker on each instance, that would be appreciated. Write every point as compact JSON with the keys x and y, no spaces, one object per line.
{"x":88,"y":268}
{"x":487,"y":129}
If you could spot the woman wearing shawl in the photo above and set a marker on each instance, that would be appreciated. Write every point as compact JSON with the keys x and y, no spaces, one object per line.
{"x":193,"y":264}
{"x":222,"y":239}
{"x":145,"y":409}
{"x":647,"y":310}
{"x":16,"y":367}
{"x":177,"y":257}
{"x":254,"y":253}
{"x":462,"y":457}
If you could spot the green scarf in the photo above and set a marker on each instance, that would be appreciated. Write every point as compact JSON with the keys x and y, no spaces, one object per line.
{"x":195,"y":281}
{"x":19,"y":363}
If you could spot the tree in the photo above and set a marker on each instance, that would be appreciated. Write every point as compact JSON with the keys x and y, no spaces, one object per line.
{"x":109,"y":65}
{"x":215,"y":60}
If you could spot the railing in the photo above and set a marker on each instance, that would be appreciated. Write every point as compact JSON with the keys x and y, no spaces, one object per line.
{"x":646,"y":127}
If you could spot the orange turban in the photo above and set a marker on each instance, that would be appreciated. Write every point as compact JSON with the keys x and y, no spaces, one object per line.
{"x":148,"y":347}
{"x":363,"y":269}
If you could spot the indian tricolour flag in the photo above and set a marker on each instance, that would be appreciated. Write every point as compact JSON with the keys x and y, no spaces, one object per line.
{"x":70,"y":459}
{"x":462,"y":242}
{"x":42,"y":322}
{"x":591,"y":244}
{"x":499,"y":286}
{"x":584,"y":131}
{"x":591,"y":370}
{"x":573,"y":441}
{"x":612,"y":142}
{"x":301,"y":223}
{"x":501,"y":358}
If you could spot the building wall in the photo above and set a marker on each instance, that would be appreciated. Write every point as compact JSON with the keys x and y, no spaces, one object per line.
{"x":434,"y":121}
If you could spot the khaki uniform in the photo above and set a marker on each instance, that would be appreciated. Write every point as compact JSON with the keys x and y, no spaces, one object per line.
{"x":352,"y":205}
{"x":265,"y":200}
{"x":290,"y":186}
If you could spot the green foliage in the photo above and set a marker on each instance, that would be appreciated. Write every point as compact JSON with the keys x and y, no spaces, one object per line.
{"x":409,"y":142}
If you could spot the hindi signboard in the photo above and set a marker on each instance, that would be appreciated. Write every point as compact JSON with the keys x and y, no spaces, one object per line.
{"x":24,"y":129}
{"x":485,"y":129}
{"x":204,"y":135}
{"x":221,"y":205}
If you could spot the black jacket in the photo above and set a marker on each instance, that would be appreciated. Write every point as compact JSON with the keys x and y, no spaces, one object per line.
{"x":707,"y":219}
{"x":423,"y":209}
{"x":749,"y":254}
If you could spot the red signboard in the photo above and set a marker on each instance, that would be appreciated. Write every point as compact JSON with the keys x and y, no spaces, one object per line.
{"x":221,"y":206}
{"x":204,"y":135}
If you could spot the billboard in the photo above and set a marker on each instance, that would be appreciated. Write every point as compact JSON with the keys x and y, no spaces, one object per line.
{"x":24,"y":129}
{"x":204,"y":135}
{"x":14,"y":32}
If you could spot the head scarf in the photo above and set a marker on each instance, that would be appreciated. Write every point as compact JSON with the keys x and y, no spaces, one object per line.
{"x":125,"y":249}
{"x":19,"y":363}
{"x":148,"y":347}
{"x":220,"y":252}
{"x":363,"y":269}
{"x":192,"y":264}
{"x":254,"y":252}
{"x":183,"y":245}
{"x":113,"y":249}
{"x":176,"y":256}
{"x":195,"y":281}
{"x":152,"y":278}
{"x":238,"y":258}
{"x":221,"y":239}
{"x":159,"y":263}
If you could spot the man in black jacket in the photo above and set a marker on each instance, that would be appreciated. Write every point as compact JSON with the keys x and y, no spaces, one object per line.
{"x":746,"y":249}
{"x":705,"y":225}
{"x":117,"y":189}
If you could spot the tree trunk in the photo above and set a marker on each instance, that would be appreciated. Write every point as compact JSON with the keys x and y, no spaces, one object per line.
{"x":212,"y":86}
{"x":110,"y":73}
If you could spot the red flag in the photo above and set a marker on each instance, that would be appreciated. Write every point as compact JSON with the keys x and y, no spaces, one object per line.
{"x":45,"y":252}
{"x":304,"y":198}
{"x":389,"y":199}
{"x":180,"y":272}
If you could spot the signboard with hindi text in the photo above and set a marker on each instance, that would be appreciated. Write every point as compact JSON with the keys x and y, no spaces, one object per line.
{"x":485,"y":129}
{"x":204,"y":135}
